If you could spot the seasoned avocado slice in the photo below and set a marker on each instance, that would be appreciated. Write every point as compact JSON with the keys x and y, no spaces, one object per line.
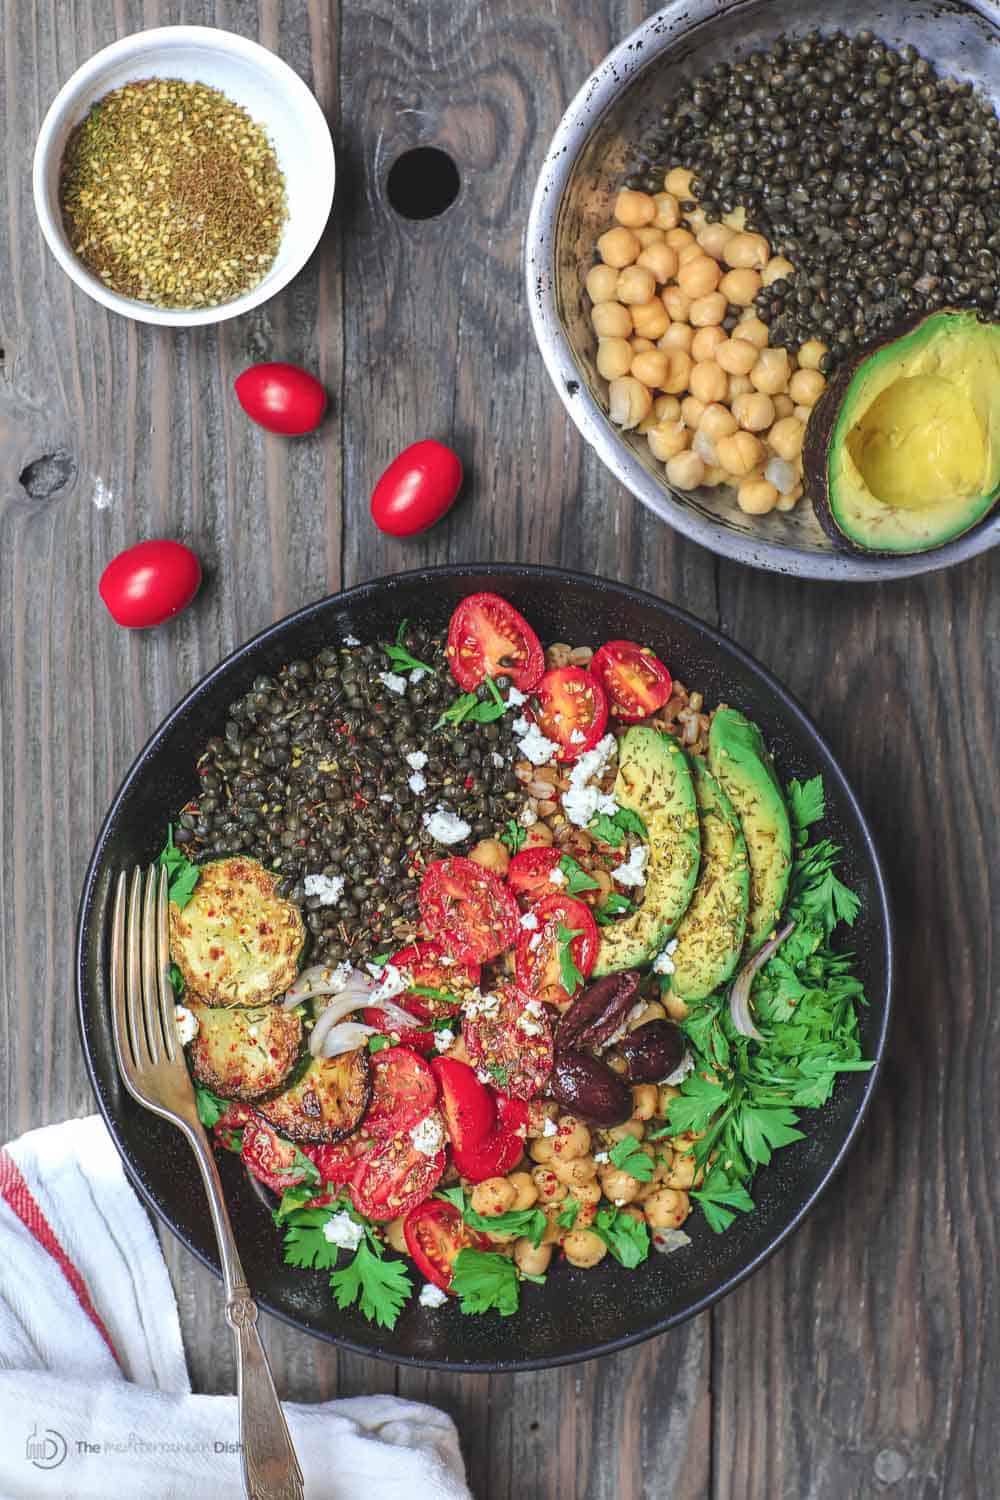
{"x":741,"y":763}
{"x":236,"y":942}
{"x":327,"y":1102}
{"x":902,"y":451}
{"x":654,"y":780}
{"x":711,"y":932}
{"x":244,"y":1054}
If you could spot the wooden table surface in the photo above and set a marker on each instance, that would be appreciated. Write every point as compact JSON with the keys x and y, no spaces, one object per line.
{"x":865,"y":1358}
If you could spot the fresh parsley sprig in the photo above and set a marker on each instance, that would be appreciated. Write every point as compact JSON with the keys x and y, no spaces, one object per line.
{"x":210,"y":1107}
{"x":569,"y":974}
{"x":483,"y":1281}
{"x":614,"y":906}
{"x":470,"y":709}
{"x":630,"y":1157}
{"x":182,"y":875}
{"x":381,"y":1287}
{"x":513,"y":836}
{"x":401,"y":659}
{"x":626,"y":1238}
{"x":612,"y":830}
{"x":577,"y":879}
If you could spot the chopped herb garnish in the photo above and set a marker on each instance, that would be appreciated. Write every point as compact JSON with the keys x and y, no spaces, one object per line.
{"x":722,"y":1199}
{"x":176,"y":981}
{"x":294,"y":1199}
{"x":210,"y":1107}
{"x":401,"y":659}
{"x":483,"y":1280}
{"x":430,"y":993}
{"x":626,"y":1238}
{"x":569,"y":974}
{"x":567,"y":1215}
{"x":577,"y":879}
{"x":527,"y":1221}
{"x":378,"y":1043}
{"x":630,"y":1157}
{"x":513,"y":836}
{"x":614,"y":906}
{"x":612,"y":830}
{"x":182,"y":875}
{"x":381,"y":1287}
{"x":306,"y":1246}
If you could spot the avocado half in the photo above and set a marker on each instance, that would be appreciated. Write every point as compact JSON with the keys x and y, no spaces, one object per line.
{"x":902,"y":451}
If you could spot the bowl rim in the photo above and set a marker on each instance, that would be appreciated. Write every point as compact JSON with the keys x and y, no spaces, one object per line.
{"x":499,"y":572}
{"x":136,"y":44}
{"x":641,"y":49}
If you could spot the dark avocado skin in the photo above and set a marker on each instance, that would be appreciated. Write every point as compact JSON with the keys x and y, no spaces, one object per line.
{"x":819,"y":433}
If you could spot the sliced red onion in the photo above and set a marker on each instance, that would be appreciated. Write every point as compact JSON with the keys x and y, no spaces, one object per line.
{"x":739,"y":995}
{"x":781,"y":474}
{"x":347,"y":1037}
{"x":322,"y":979}
{"x":346,"y":1002}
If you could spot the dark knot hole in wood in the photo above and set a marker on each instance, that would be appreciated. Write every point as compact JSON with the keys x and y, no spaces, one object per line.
{"x":422,"y":183}
{"x":46,"y":476}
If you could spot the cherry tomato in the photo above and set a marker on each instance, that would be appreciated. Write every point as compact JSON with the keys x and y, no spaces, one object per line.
{"x":512,"y":1042}
{"x":435,"y":1232}
{"x":228,"y":1128}
{"x":417,"y":489}
{"x":482,"y":1145}
{"x":536,"y":959}
{"x":415,"y":1036}
{"x":147,"y":583}
{"x":272,"y":1160}
{"x":468,"y":908}
{"x":488,"y":638}
{"x":338,"y":1163}
{"x":528,"y":874}
{"x":403,"y":1092}
{"x":430,"y":967}
{"x":281,"y":398}
{"x":395,"y":1178}
{"x":511,"y":1113}
{"x":572,"y":710}
{"x":635,"y":680}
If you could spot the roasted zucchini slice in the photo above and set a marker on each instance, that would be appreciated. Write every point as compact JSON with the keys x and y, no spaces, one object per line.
{"x":327,"y":1102}
{"x":236,"y":942}
{"x":244,"y":1054}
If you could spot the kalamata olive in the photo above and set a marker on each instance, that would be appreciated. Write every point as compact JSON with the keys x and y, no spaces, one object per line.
{"x":598,"y":1012}
{"x":652,"y":1052}
{"x":587,"y":1087}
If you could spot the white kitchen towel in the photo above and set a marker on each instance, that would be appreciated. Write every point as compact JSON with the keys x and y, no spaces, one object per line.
{"x":95,"y":1400}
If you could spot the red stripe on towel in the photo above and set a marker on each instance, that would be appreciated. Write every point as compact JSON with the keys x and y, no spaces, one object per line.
{"x":17,"y":1195}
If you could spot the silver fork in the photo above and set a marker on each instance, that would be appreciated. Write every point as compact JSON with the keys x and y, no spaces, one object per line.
{"x":151,"y":1062}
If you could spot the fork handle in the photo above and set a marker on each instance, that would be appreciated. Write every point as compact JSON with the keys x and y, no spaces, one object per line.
{"x":270,"y":1468}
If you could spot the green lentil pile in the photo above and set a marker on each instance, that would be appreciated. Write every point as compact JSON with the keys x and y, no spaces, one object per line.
{"x":310,"y":776}
{"x":872,"y":175}
{"x":172,"y":194}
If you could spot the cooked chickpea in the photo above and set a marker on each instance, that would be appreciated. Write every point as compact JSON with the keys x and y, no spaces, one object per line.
{"x":532,"y":1259}
{"x":699,"y":274}
{"x":736,"y":356}
{"x":635,"y":284}
{"x":740,"y":287}
{"x":715,"y":474}
{"x":618,"y":247}
{"x":492,"y":1197}
{"x":679,"y":336}
{"x":752,"y":331}
{"x":691,"y":410}
{"x":525,"y":1191}
{"x":666,"y":1209}
{"x":791,"y":500}
{"x":806,"y":387}
{"x":639,"y":345}
{"x":786,"y":437}
{"x":634,"y":209}
{"x":394,"y":1235}
{"x":588,"y":1194}
{"x":668,"y":439}
{"x":575,"y":1172}
{"x":572,"y":1138}
{"x":784,"y":406}
{"x":678,"y":238}
{"x":736,"y":386}
{"x":614,"y":358}
{"x":643,"y":1101}
{"x":538,"y":836}
{"x":745,"y":250}
{"x":686,"y":471}
{"x":601,"y":283}
{"x":610,"y":320}
{"x":706,"y":340}
{"x":677,"y":304}
{"x":553,"y":1231}
{"x":677,"y":1008}
{"x":652,"y":367}
{"x":776,"y":267}
{"x":696,"y":219}
{"x":757,"y":497}
{"x":714,"y":238}
{"x":665,"y":409}
{"x":660,"y":259}
{"x":649,"y":235}
{"x":738,"y":454}
{"x":650,"y":319}
{"x":717,"y":421}
{"x":811,"y":353}
{"x":668,"y":211}
{"x":770,"y":373}
{"x":542,"y":1149}
{"x":678,"y":371}
{"x":582,"y":1247}
{"x":550,"y":1189}
{"x":688,"y":253}
{"x":666,"y":1094}
{"x":628,"y":400}
{"x":706,"y":310}
{"x":634,"y":1128}
{"x":753,"y":411}
{"x":678,"y":181}
{"x":681,"y":1174}
{"x":491,"y":855}
{"x":621,"y":1187}
{"x":708,"y":382}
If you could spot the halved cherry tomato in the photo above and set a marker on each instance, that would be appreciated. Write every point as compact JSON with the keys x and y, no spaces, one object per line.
{"x":512,"y":1042}
{"x":481,"y":1145}
{"x":488,"y":638}
{"x":635,"y":680}
{"x":435,"y":1232}
{"x":572,"y":710}
{"x":403,"y":1092}
{"x":417,"y":488}
{"x":338,"y":1163}
{"x":536,"y":958}
{"x":413,"y":1036}
{"x":395,"y":1178}
{"x":468,"y":908}
{"x":528,"y":874}
{"x":281,"y":397}
{"x":430,"y":967}
{"x":228,"y":1128}
{"x":273,"y":1161}
{"x":512,"y":1113}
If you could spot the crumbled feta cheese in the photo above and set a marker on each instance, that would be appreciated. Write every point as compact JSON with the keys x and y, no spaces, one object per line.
{"x":431,"y":1295}
{"x":351,"y":640}
{"x":375,"y":970}
{"x":393,"y":982}
{"x":328,"y":889}
{"x":580,"y":800}
{"x":385,"y":796}
{"x":336,"y":978}
{"x":187,"y":1024}
{"x":481,"y":1005}
{"x":416,"y":760}
{"x":521,"y":725}
{"x":607,"y":805}
{"x":533,"y":942}
{"x":393,"y":682}
{"x":443,"y":1038}
{"x":550,"y":1128}
{"x":340,"y":1229}
{"x":515,"y":697}
{"x":632,"y":871}
{"x":428,"y":1135}
{"x":418,"y":783}
{"x":527,"y":817}
{"x":535,"y":747}
{"x":497,"y":759}
{"x":483,"y":1076}
{"x":530,"y":1021}
{"x":668,"y":1240}
{"x":620,"y":1202}
{"x":601,"y":1157}
{"x":683,"y":1068}
{"x":577,"y":737}
{"x":418,"y":674}
{"x":445,"y":827}
{"x":529,"y":920}
{"x":663,"y":962}
{"x":556,"y":877}
{"x":252,"y":1033}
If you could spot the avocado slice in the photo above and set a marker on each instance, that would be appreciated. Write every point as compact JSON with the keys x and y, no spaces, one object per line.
{"x":654,"y":780}
{"x":902,"y":451}
{"x":711,"y":932}
{"x":740,"y":761}
{"x":236,"y":942}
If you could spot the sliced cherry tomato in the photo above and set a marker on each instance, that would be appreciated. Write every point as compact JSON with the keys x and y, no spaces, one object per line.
{"x":488,"y":638}
{"x":395,"y":1178}
{"x":572,"y":710}
{"x":147,"y":583}
{"x":468,"y":908}
{"x":429,"y":966}
{"x":403,"y":1092}
{"x":435,"y":1232}
{"x":529,"y":871}
{"x":281,"y":398}
{"x":512,"y":1113}
{"x":481,"y":1145}
{"x":417,"y":488}
{"x":273,"y":1161}
{"x":536,"y":958}
{"x":413,"y":1036}
{"x":338,"y":1163}
{"x":228,"y":1127}
{"x":635,"y":680}
{"x":512,"y":1042}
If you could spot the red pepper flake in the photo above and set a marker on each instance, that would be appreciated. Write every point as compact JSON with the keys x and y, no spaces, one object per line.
{"x":467,"y":783}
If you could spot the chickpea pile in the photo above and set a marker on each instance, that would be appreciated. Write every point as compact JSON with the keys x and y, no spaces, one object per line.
{"x":715,"y":407}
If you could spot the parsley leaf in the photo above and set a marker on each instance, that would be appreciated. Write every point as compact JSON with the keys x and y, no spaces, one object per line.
{"x":630,"y":1157}
{"x":306,"y":1246}
{"x":577,"y":879}
{"x":764,"y":1129}
{"x":629,"y":820}
{"x":499,"y":1075}
{"x":454,"y":1195}
{"x":378,"y":1043}
{"x":722,"y":1199}
{"x":176,"y":981}
{"x":567,"y":1215}
{"x":483,"y":1280}
{"x":401,"y":659}
{"x":513,"y":836}
{"x":569,"y":974}
{"x":182,"y":875}
{"x":294,"y":1199}
{"x":625,"y":1237}
{"x":382,"y":1287}
{"x":614,"y":906}
{"x":431,"y":993}
{"x":469,"y":709}
{"x":606,"y":830}
{"x":527,"y":1221}
{"x":210,"y":1107}
{"x":806,"y":804}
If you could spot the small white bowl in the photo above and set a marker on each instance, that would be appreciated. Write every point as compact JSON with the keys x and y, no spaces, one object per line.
{"x":273,"y":95}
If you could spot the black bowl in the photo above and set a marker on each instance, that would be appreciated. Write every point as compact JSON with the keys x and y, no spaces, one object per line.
{"x":579,"y":1313}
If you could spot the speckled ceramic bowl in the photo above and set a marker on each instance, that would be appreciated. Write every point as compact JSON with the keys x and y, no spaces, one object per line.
{"x":578,"y":1313}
